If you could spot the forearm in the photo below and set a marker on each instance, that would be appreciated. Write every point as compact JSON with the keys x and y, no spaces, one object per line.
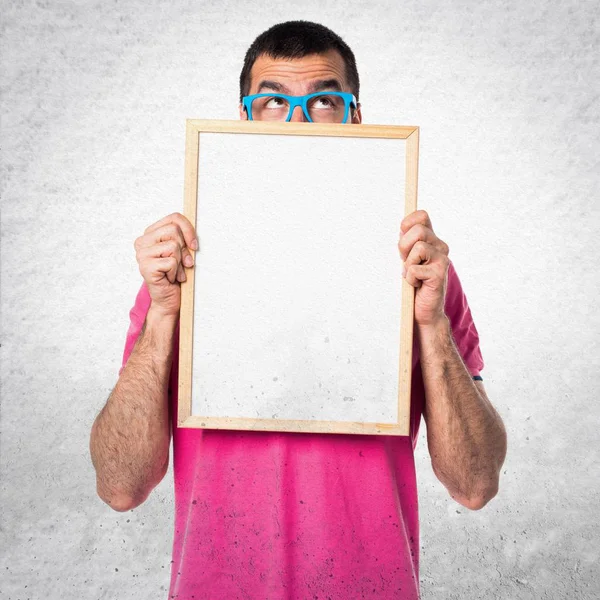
{"x":130,"y":438}
{"x":465,"y":435}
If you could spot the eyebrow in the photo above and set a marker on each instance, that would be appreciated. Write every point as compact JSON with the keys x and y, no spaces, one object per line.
{"x":315,"y":86}
{"x":267,"y":84}
{"x":326,"y":84}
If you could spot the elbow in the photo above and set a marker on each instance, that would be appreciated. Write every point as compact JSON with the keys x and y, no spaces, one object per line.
{"x":472,"y":493}
{"x":118,"y":501}
{"x":121,"y":503}
{"x":128,"y":496}
{"x":478,"y":499}
{"x":476,"y":503}
{"x":486,"y":485}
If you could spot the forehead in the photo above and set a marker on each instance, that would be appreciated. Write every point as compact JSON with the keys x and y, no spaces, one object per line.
{"x":329,"y":65}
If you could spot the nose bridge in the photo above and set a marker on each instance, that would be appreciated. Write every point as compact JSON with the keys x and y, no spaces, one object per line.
{"x":298,"y":114}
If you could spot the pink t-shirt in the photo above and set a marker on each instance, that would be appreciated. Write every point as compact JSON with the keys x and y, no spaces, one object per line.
{"x":261,"y":515}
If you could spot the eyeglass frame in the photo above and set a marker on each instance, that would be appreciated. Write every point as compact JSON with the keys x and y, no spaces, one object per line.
{"x":294,"y":101}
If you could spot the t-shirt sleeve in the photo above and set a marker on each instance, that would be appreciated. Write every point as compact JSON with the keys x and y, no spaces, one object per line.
{"x":463,"y":328}
{"x":137,"y":316}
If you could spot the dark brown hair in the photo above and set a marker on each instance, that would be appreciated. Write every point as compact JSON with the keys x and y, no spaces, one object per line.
{"x":296,"y":39}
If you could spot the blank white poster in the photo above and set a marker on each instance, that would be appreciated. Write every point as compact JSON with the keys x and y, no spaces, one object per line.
{"x":298,"y":281}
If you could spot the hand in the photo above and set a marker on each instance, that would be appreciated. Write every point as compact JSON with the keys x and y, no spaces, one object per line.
{"x":162,"y":252}
{"x":426,"y":262}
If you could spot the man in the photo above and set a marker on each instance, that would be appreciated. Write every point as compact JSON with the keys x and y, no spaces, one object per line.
{"x":283,"y":515}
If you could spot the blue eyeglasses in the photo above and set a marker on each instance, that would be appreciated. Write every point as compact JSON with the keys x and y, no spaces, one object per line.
{"x":320,"y":107}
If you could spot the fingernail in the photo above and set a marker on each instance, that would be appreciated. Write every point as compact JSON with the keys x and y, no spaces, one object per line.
{"x":194,"y":244}
{"x":188,"y":261}
{"x":403,"y":271}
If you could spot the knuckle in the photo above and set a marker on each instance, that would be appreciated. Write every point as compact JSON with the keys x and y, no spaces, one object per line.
{"x":412,"y":258}
{"x":421,"y":230}
{"x":172,"y":232}
{"x":172,"y":246}
{"x":420,"y":245}
{"x":178,"y":219}
{"x":425,"y":219}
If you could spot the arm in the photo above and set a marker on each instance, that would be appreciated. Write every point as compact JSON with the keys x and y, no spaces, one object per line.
{"x":465,"y":435}
{"x":130,"y":438}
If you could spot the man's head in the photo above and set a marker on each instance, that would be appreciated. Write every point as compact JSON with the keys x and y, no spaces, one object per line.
{"x":298,"y":58}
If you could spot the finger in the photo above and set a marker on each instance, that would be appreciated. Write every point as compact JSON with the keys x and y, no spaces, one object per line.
{"x":418,"y":217}
{"x":167,"y":232}
{"x":170,"y":231}
{"x":158,"y":268}
{"x":434,"y":274}
{"x":420,"y":233}
{"x":181,"y":276}
{"x":424,"y":253}
{"x":169,"y":266}
{"x":148,"y":259}
{"x":160,"y":250}
{"x":187,"y":258}
{"x":186,"y":228}
{"x":417,"y":274}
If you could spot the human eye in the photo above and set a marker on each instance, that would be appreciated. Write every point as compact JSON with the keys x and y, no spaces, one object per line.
{"x":270,"y":108}
{"x":326,"y":102}
{"x":273,"y":102}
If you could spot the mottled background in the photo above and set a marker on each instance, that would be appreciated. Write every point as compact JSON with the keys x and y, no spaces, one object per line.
{"x":94,"y":98}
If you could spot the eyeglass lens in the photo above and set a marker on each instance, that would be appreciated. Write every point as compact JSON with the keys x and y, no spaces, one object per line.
{"x":324,"y":108}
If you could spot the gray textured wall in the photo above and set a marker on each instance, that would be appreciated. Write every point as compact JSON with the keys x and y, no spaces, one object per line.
{"x":94,"y":97}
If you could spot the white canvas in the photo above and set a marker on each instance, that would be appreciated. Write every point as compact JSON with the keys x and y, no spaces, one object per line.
{"x":298,"y":279}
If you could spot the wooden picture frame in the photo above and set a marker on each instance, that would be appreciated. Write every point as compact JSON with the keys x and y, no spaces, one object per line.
{"x":217,"y":152}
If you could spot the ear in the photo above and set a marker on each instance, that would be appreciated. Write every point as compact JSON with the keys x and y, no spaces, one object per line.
{"x":243,"y":113}
{"x":357,"y":114}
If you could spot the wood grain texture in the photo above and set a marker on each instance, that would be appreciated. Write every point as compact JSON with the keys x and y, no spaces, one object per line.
{"x":408,"y":292}
{"x":186,"y":315}
{"x":294,"y":425}
{"x":293,"y":128}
